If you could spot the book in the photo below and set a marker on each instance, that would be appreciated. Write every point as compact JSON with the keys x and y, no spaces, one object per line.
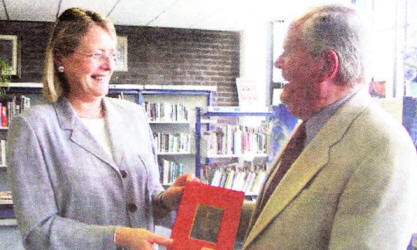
{"x":258,"y":182}
{"x":7,"y":212}
{"x":3,"y":152}
{"x":216,"y":178}
{"x":4,"y":118}
{"x":207,"y":217}
{"x":410,"y":117}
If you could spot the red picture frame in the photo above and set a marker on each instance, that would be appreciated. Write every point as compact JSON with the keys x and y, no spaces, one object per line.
{"x":208,"y":217}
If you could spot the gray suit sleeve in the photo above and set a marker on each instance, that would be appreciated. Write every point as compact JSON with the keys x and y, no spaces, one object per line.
{"x":36,"y":209}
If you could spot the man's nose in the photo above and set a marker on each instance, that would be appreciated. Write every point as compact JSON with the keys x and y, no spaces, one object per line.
{"x":278,"y":63}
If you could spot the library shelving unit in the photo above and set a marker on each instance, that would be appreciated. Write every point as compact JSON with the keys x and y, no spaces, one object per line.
{"x":180,"y":160}
{"x":190,"y":96}
{"x":202,"y":119}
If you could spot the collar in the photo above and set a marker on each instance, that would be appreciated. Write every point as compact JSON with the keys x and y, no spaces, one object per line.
{"x":317,"y":121}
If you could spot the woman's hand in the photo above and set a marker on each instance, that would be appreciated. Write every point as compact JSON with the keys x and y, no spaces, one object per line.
{"x":180,"y":181}
{"x":173,"y":195}
{"x":139,"y":238}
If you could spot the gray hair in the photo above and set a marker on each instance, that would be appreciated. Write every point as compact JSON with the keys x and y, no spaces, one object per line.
{"x":340,"y":29}
{"x":65,"y":37}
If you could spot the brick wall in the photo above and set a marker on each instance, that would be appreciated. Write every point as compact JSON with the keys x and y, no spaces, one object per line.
{"x":162,"y":56}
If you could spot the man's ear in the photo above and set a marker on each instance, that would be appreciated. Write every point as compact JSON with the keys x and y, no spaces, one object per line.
{"x":330,"y":64}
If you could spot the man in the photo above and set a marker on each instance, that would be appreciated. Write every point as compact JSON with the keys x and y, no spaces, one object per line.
{"x":352,"y":186}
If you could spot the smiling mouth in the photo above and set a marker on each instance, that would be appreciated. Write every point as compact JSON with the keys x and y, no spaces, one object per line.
{"x":99,"y":77}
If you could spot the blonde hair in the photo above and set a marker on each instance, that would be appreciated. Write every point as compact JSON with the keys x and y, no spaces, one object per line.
{"x":65,"y":37}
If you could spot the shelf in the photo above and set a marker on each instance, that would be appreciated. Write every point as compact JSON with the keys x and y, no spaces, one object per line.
{"x":206,"y":121}
{"x":6,"y":202}
{"x":10,"y":222}
{"x":170,"y":122}
{"x":24,"y":85}
{"x":173,"y":153}
{"x":127,"y":86}
{"x":3,"y":166}
{"x":245,"y":155}
{"x":234,"y":111}
{"x":181,"y":87}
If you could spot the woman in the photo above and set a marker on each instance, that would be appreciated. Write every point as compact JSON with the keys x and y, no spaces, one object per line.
{"x":82,"y":168}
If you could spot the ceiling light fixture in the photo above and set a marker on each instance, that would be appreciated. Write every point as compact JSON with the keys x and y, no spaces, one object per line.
{"x":114,"y":6}
{"x":59,"y":9}
{"x":5,"y":10}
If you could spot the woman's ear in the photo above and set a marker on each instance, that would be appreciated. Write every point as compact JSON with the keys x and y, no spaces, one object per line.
{"x":57,"y":57}
{"x":329,"y":61}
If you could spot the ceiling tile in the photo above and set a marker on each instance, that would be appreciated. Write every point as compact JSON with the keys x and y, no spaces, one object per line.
{"x":102,"y":6}
{"x":140,"y":12}
{"x":24,"y":10}
{"x":196,"y":14}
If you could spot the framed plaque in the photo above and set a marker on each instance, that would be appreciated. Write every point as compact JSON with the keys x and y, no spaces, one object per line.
{"x":9,"y":52}
{"x":121,"y":59}
{"x":207,"y":218}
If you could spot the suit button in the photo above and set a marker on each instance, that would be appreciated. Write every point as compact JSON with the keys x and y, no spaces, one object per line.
{"x":132,"y":207}
{"x":123,"y":173}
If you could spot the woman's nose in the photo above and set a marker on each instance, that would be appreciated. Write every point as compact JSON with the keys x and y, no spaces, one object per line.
{"x":109,"y":63}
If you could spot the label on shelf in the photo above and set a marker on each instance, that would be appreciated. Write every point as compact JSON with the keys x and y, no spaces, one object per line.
{"x":236,"y":109}
{"x":8,"y":222}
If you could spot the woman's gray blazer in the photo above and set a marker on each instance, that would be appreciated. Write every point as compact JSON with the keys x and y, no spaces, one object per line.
{"x":68,"y":192}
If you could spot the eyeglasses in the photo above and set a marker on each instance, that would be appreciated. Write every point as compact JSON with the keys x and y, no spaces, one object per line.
{"x":100,"y":56}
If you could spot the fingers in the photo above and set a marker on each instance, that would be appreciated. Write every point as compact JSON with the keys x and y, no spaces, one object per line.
{"x":160,"y":240}
{"x":180,"y":181}
{"x":190,"y":177}
{"x":173,"y":196}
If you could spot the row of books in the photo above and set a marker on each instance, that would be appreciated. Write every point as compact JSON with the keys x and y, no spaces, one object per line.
{"x":225,"y":139}
{"x":6,"y":205}
{"x":3,"y":152}
{"x":6,"y":196}
{"x":166,"y":111}
{"x":248,"y":180}
{"x":169,"y":171}
{"x":7,"y":212}
{"x":11,"y":107}
{"x":173,"y":142}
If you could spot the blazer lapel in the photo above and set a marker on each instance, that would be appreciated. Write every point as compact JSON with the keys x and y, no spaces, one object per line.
{"x":114,"y":120}
{"x":310,"y":161}
{"x":79,"y":133}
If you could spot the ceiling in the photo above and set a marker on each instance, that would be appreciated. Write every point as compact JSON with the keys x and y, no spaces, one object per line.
{"x":233,"y":15}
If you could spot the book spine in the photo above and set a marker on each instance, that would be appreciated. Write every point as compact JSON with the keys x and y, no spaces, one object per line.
{"x":4,"y":117}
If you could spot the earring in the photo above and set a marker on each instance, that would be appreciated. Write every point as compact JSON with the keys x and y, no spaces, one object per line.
{"x":61,"y":69}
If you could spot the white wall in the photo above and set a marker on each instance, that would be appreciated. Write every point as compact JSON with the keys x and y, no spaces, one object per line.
{"x":255,"y":58}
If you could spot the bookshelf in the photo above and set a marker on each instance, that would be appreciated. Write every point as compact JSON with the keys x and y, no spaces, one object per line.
{"x":183,"y":160}
{"x":190,"y":96}
{"x":246,"y":145}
